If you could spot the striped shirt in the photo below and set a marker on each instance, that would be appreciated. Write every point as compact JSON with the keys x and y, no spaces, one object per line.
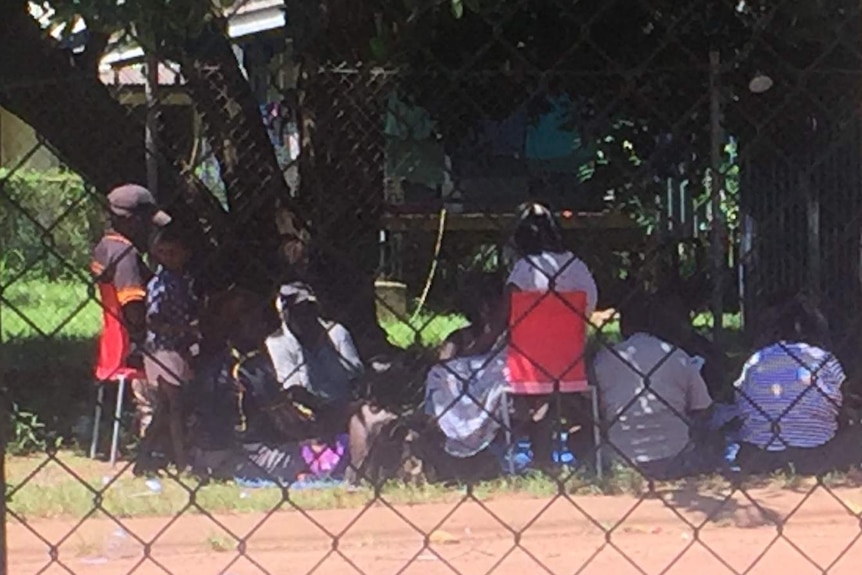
{"x":789,"y":395}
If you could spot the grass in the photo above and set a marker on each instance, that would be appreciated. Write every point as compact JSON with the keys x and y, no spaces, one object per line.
{"x":221,"y":543}
{"x":69,"y":486}
{"x":35,"y":309}
{"x":73,"y":486}
{"x":69,"y":311}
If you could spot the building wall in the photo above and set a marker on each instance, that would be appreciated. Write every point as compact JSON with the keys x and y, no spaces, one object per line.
{"x":17,"y":139}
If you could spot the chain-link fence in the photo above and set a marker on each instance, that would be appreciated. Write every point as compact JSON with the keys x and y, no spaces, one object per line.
{"x":448,"y":286}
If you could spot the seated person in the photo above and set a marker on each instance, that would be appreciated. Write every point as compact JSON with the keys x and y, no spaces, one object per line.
{"x":480,"y":299}
{"x":243,"y":413}
{"x":653,"y":399}
{"x":789,"y":397}
{"x":545,"y":265}
{"x":313,"y":354}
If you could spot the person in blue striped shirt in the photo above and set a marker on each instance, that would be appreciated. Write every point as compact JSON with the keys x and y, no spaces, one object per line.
{"x":789,"y":396}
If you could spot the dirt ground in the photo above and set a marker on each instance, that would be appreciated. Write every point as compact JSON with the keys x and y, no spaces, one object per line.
{"x":554,"y":536}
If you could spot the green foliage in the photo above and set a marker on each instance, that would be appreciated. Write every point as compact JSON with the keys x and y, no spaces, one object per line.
{"x":161,"y":26}
{"x":48,"y":222}
{"x":28,"y":434}
{"x":64,"y":309}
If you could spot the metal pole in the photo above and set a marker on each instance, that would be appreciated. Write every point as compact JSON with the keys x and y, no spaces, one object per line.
{"x":716,"y":192}
{"x":812,"y":212}
{"x":151,"y":127}
{"x":4,"y":423}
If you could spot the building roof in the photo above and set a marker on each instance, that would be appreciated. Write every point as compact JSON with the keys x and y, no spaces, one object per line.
{"x":122,"y":64}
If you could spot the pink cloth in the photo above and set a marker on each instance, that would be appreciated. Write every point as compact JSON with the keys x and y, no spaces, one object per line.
{"x":323,"y":459}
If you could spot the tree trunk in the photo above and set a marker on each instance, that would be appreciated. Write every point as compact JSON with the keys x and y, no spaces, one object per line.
{"x":83,"y":124}
{"x":253,"y":180}
{"x":39,"y":84}
{"x":341,"y":162}
{"x":341,"y":169}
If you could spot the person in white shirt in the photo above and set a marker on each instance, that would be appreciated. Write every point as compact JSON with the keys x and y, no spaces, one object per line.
{"x":310,"y":352}
{"x":654,"y":400}
{"x":544,"y":265}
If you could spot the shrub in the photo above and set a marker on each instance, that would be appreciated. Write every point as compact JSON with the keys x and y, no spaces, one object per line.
{"x":28,"y":434}
{"x":48,"y":223}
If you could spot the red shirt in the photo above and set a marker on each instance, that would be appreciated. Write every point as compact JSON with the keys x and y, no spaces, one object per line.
{"x":121,"y":276}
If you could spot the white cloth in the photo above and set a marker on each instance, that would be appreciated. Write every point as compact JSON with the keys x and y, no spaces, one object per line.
{"x":326,"y":371}
{"x":562,"y":272}
{"x":649,"y":428}
{"x":285,"y":352}
{"x":465,"y":396}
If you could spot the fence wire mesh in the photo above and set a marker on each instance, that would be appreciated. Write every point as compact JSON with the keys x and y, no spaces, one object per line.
{"x":448,"y":286}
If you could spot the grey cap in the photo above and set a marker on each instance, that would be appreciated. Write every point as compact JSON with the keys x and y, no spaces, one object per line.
{"x":133,"y":200}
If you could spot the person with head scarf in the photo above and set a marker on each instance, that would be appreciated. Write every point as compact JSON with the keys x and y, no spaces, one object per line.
{"x":311,"y":352}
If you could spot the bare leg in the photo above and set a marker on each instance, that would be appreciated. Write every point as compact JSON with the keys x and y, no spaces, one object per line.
{"x":146,"y":398}
{"x":174,"y":407}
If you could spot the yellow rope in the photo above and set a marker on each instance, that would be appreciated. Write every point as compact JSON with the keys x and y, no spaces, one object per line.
{"x":240,"y":358}
{"x":433,"y":271}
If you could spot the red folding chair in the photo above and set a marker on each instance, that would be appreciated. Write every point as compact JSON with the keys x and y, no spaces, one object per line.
{"x":111,"y":366}
{"x":547,"y":340}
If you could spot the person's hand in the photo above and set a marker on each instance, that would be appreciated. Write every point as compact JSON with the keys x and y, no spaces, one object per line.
{"x":135,"y":359}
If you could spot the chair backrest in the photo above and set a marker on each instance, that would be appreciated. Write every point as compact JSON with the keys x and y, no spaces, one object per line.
{"x":114,"y":344}
{"x":547,"y":339}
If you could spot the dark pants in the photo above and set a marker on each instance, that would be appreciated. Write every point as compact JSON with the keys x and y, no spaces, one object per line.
{"x":843,"y":452}
{"x":540,"y":416}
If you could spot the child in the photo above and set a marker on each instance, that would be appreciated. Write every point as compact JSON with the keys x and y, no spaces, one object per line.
{"x":172,"y":336}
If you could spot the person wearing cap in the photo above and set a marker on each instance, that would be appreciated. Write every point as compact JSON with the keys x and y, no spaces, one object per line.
{"x":119,"y":269}
{"x":311,"y":352}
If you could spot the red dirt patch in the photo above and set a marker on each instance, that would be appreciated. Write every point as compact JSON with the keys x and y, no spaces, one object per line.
{"x":562,"y":535}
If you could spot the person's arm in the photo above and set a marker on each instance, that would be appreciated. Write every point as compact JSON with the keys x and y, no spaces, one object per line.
{"x":697,"y":400}
{"x":287,"y":359}
{"x":830,"y":381}
{"x":498,"y":325}
{"x":347,"y":351}
{"x":131,"y":293}
{"x":586,"y":283}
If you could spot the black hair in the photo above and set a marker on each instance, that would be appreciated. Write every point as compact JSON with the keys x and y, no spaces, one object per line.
{"x":796,"y":320}
{"x":175,"y":234}
{"x":537,"y":231}
{"x":479,"y":289}
{"x":638,"y":315}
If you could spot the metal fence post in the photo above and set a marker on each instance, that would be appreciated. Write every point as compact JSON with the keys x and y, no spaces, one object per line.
{"x":719,"y":258}
{"x":4,"y":421}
